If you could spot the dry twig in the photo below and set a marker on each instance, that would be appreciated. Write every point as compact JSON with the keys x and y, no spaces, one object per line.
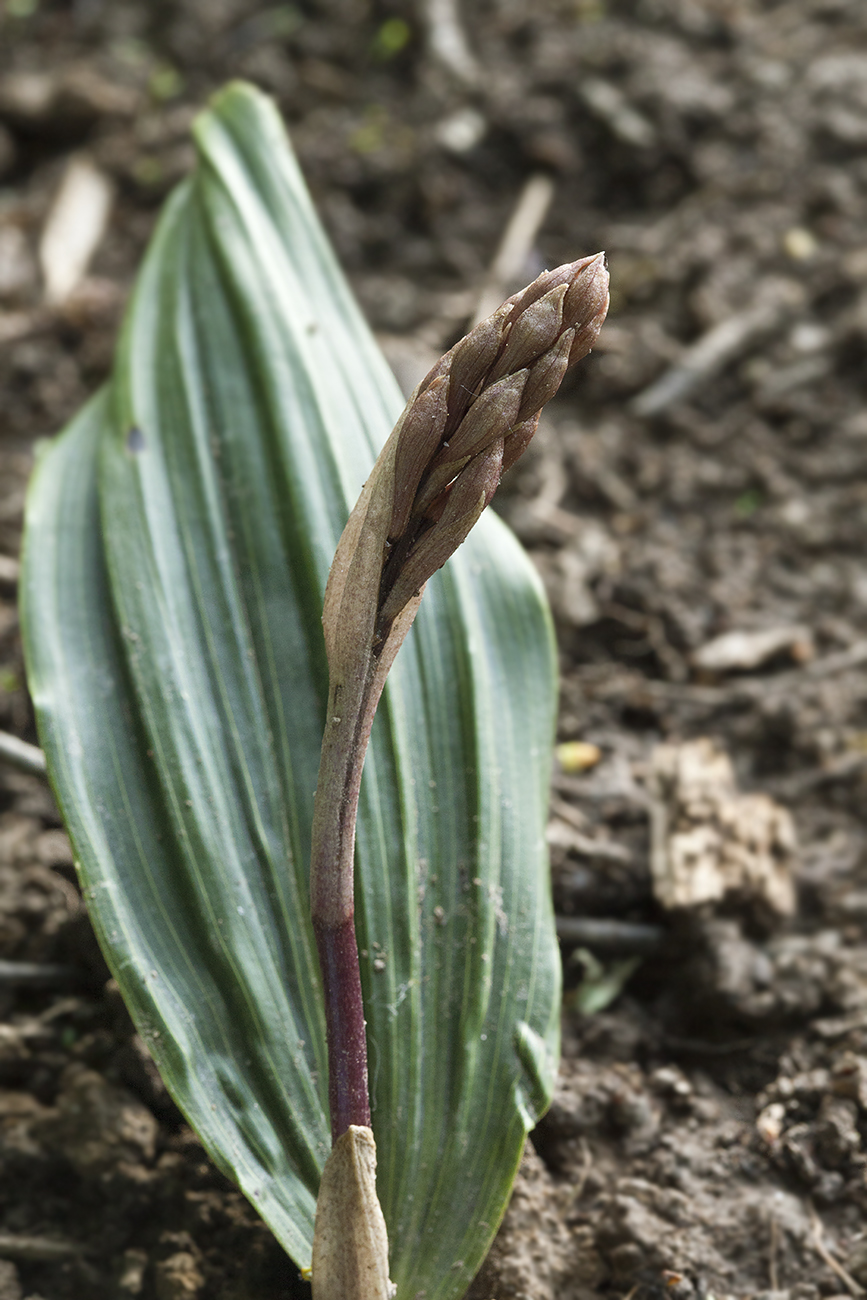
{"x":709,"y":354}
{"x":612,"y":936}
{"x":448,"y":41}
{"x":513,"y":253}
{"x":818,"y":1244}
{"x":773,"y":1250}
{"x":35,"y":974}
{"x":17,"y":753}
{"x":24,"y":1246}
{"x":10,"y":571}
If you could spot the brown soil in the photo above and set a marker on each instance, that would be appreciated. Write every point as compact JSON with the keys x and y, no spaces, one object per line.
{"x":708,"y":1135}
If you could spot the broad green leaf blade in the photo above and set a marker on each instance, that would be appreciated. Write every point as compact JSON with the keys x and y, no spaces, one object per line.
{"x":179,"y":539}
{"x":142,"y":906}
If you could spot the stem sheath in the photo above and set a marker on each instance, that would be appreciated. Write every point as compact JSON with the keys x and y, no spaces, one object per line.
{"x":332,"y":907}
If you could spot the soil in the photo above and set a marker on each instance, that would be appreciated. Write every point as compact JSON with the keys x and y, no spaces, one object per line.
{"x":705,"y":475}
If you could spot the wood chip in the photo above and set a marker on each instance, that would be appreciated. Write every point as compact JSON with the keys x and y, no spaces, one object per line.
{"x":75,"y":226}
{"x":744,"y":650}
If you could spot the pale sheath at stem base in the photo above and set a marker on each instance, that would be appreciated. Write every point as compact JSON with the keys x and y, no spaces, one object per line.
{"x":350,"y":1246}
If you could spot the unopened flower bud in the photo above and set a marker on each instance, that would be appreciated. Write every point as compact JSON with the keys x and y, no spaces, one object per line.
{"x":467,"y":422}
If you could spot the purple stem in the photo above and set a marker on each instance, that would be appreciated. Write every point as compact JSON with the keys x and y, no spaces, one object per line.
{"x":344,"y":1026}
{"x":332,"y":905}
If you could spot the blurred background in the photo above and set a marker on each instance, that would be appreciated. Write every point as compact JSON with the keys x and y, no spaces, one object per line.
{"x":696,"y":504}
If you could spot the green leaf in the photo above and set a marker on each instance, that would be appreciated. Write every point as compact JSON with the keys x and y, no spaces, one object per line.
{"x":178,"y":541}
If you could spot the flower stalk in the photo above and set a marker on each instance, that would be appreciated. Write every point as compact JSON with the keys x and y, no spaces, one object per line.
{"x":466,"y":423}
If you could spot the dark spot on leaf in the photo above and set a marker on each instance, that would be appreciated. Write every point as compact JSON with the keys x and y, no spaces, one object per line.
{"x":135,"y":440}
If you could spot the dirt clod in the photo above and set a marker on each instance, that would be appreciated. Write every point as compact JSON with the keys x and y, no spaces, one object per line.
{"x":179,"y":1277}
{"x":96,"y":1126}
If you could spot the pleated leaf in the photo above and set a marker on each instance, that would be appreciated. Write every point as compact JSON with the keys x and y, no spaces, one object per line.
{"x":178,"y":542}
